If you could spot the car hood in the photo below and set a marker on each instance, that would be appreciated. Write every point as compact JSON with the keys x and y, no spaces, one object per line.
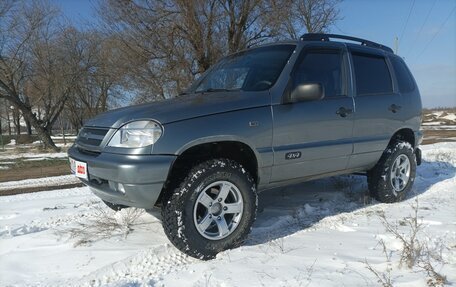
{"x":181,"y":108}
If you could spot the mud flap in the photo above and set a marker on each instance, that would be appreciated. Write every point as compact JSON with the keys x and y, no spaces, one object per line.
{"x":418,"y":156}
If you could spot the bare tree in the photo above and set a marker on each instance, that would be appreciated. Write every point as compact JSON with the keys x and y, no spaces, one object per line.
{"x":311,"y":16}
{"x":167,"y":43}
{"x":101,"y":83}
{"x":38,"y":66}
{"x":18,"y":34}
{"x":145,"y":42}
{"x":146,"y":49}
{"x":5,"y":115}
{"x":5,"y":7}
{"x":249,"y":23}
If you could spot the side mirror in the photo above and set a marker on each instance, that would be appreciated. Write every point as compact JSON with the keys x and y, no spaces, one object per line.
{"x":307,"y":92}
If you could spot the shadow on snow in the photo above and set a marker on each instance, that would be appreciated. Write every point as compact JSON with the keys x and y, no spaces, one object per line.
{"x":284,"y":211}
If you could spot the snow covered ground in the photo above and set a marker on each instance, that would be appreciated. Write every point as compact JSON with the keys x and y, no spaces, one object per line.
{"x":439,"y":120}
{"x":319,"y":233}
{"x":33,"y":155}
{"x":444,"y":115}
{"x":39,"y":182}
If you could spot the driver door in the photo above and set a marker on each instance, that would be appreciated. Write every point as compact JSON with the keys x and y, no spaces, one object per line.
{"x":315,"y":137}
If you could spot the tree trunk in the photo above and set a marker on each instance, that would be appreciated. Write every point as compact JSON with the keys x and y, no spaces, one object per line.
{"x":29,"y":127}
{"x":63,"y":131}
{"x":43,"y":133}
{"x":27,"y":122}
{"x":8,"y":121}
{"x":17,"y":123}
{"x":1,"y":135}
{"x":45,"y":137}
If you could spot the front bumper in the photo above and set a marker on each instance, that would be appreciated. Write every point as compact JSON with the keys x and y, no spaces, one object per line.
{"x":131,"y":180}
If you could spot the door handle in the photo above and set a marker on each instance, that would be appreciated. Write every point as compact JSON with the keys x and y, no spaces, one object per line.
{"x":394,"y":108}
{"x":343,"y":112}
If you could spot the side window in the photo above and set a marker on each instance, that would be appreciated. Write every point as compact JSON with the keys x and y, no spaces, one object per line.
{"x":371,"y":74}
{"x":403,"y":76}
{"x":321,"y":66}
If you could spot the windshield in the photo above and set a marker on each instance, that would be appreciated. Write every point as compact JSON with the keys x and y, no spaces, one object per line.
{"x":251,"y":70}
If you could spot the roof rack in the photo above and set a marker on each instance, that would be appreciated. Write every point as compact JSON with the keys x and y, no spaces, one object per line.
{"x":326,"y":37}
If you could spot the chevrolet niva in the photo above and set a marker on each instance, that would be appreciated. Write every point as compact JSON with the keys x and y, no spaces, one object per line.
{"x":261,"y":118}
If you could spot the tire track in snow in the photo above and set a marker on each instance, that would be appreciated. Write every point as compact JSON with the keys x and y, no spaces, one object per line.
{"x":147,"y":267}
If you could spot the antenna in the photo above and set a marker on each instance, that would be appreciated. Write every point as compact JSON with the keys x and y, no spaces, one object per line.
{"x":396,"y":45}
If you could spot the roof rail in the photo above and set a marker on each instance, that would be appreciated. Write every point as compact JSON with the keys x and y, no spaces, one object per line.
{"x":326,"y":37}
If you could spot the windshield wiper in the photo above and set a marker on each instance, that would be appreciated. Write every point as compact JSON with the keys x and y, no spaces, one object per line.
{"x":210,"y":90}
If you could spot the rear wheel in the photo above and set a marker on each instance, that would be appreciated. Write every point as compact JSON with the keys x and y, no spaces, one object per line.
{"x":212,"y":210}
{"x":393,"y":176}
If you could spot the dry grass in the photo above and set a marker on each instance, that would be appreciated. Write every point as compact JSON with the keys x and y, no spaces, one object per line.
{"x":414,"y":253}
{"x":434,"y":278}
{"x":436,"y":136}
{"x":448,"y":110}
{"x":104,"y":224}
{"x":442,"y":134}
{"x":411,"y":246}
{"x":384,"y":278}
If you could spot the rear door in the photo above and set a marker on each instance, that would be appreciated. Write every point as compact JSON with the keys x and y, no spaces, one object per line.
{"x":378,"y":106}
{"x":314,"y":137}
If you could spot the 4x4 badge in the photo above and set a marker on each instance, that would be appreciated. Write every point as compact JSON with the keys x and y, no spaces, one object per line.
{"x":293,"y":155}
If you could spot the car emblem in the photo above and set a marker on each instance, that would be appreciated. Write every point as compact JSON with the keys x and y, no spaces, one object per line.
{"x":293,"y":155}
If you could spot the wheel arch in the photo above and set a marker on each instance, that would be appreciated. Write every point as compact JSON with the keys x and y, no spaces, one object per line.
{"x":403,"y":134}
{"x":204,"y":149}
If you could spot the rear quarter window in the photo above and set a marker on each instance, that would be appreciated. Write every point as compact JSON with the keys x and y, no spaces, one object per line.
{"x":404,"y":77}
{"x":371,"y":74}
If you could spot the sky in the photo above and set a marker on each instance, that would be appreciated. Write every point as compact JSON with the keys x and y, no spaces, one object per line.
{"x":426,"y":32}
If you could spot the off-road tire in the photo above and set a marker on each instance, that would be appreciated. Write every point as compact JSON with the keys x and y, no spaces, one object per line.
{"x":379,"y":177}
{"x":178,"y":211}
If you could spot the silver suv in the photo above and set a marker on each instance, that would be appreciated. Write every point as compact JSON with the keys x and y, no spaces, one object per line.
{"x":261,"y":118}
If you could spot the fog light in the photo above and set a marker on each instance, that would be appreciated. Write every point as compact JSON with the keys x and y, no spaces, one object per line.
{"x":112,"y":185}
{"x":121,"y":188}
{"x":115,"y":186}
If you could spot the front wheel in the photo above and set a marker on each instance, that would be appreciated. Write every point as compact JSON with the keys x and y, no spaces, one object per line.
{"x":212,"y":210}
{"x":393,"y":176}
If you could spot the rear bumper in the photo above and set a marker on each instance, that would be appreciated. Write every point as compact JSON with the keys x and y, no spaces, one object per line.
{"x":418,"y":138}
{"x":131,"y":180}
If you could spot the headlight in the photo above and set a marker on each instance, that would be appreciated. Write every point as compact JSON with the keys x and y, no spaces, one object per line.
{"x":136,"y":134}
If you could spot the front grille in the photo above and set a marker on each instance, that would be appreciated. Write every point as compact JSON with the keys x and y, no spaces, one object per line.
{"x":88,"y":152}
{"x":92,"y":136}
